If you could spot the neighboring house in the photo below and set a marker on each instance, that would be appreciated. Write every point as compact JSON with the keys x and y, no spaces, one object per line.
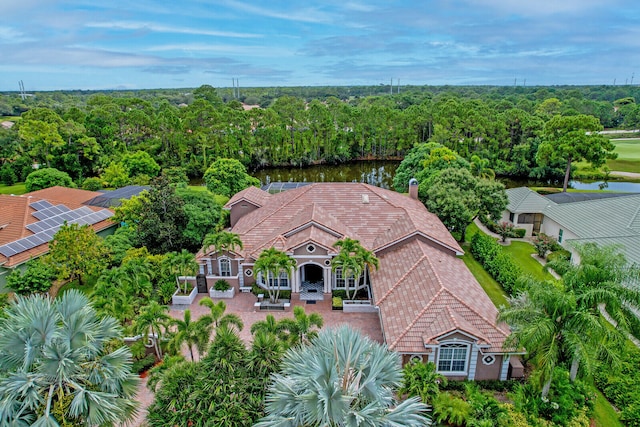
{"x":604,"y":218}
{"x":114,"y":198}
{"x":29,"y":222}
{"x":431,"y":307}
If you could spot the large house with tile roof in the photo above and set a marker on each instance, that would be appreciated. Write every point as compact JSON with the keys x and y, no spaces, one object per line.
{"x":430,"y":306}
{"x":28,"y":222}
{"x":603,"y":218}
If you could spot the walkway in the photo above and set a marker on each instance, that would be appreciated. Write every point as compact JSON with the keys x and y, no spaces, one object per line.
{"x":243,"y":305}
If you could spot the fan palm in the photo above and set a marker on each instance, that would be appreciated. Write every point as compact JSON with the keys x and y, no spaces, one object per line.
{"x":216,"y":316}
{"x":54,"y":359}
{"x":342,"y":378}
{"x":153,"y":318}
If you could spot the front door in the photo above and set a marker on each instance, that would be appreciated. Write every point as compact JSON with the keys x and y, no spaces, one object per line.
{"x":313,"y":273}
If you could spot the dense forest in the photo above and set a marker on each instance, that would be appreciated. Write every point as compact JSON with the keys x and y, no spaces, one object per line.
{"x":90,"y":134}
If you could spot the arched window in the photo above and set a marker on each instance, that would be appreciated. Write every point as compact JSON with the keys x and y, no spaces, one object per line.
{"x":453,"y":358}
{"x":225,"y":267}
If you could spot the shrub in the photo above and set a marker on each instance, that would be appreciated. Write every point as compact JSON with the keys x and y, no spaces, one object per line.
{"x":92,"y":184}
{"x":422,"y":380}
{"x":451,"y":409}
{"x":336,"y":302}
{"x":544,"y":244}
{"x":520,"y":232}
{"x":505,"y":230}
{"x":222,"y":285}
{"x":620,"y":385}
{"x":341,"y":293}
{"x":500,"y":265}
{"x":143,"y":364}
{"x":561,"y":255}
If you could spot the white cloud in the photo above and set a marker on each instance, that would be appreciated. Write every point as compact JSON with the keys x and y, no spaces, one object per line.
{"x":262,"y":51}
{"x":311,"y":15}
{"x":133,"y":25}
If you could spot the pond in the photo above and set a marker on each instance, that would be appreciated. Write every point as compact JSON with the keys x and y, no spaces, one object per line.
{"x":380,"y":173}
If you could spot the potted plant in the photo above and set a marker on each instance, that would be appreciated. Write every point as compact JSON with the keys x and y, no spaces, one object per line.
{"x":336,"y":303}
{"x":183,"y":264}
{"x":222,"y":289}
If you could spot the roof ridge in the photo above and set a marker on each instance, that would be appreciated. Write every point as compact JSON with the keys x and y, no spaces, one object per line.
{"x":475,"y":312}
{"x":303,"y":190}
{"x":416,"y":318}
{"x":401,"y":279}
{"x":25,"y":217}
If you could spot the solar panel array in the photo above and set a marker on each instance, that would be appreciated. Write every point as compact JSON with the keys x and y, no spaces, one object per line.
{"x":278,"y":187}
{"x":51,"y":217}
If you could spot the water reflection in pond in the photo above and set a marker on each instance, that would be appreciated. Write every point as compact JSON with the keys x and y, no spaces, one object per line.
{"x":378,"y":173}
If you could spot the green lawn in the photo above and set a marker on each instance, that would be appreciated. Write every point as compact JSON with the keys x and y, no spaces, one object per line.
{"x":628,"y":156}
{"x":490,"y":286}
{"x":603,"y":414}
{"x":521,"y":252}
{"x":13,"y":189}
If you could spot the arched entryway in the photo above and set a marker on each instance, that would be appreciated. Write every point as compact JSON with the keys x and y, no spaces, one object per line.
{"x":311,"y":282}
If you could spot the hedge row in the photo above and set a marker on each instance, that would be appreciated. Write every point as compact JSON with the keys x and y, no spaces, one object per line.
{"x":499,"y":264}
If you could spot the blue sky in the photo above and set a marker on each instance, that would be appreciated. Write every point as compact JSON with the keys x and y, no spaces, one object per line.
{"x":118,"y":44}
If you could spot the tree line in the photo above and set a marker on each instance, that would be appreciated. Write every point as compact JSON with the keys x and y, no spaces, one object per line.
{"x":127,"y":137}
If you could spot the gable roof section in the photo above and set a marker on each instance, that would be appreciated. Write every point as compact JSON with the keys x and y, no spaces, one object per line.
{"x":252,"y":195}
{"x":424,"y":293}
{"x":372,"y":215}
{"x":525,"y":200}
{"x":16,"y":214}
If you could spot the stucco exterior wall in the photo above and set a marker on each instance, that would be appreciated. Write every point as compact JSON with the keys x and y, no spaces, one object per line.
{"x":489,"y":372}
{"x":302,"y":251}
{"x":552,"y":228}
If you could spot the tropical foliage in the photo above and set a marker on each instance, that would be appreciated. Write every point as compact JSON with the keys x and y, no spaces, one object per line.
{"x":341,"y":378}
{"x":271,"y":265}
{"x":59,"y":364}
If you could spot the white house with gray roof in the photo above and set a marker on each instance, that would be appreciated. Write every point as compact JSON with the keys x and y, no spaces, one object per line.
{"x":605,"y":221}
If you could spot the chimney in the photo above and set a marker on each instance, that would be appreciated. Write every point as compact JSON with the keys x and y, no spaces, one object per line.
{"x":413,"y":188}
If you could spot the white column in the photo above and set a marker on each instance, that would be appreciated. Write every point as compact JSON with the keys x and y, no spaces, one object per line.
{"x":240,"y":275}
{"x":473,"y":362}
{"x":327,"y":280}
{"x":201,"y":268}
{"x":505,"y":367}
{"x":431,"y":357}
{"x":209,"y":267}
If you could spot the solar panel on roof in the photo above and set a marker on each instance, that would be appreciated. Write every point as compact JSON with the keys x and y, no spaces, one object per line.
{"x":7,"y":251}
{"x":42,"y":204}
{"x":40,"y":215}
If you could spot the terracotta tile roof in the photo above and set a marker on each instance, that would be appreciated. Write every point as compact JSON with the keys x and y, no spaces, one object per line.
{"x":251,"y":194}
{"x":424,"y":293}
{"x":16,"y":214}
{"x":423,"y":290}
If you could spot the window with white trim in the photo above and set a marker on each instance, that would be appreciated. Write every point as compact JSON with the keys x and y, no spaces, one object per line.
{"x":284,"y":280}
{"x":341,"y":282}
{"x":453,"y":358}
{"x":225,"y":267}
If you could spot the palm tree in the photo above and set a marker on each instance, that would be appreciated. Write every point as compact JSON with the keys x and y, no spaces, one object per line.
{"x":368,"y":261}
{"x":270,"y":264}
{"x":480,"y":167}
{"x":547,"y":321}
{"x":270,"y":326}
{"x":605,"y":279}
{"x":57,"y":364}
{"x":222,"y":241}
{"x":194,"y":334}
{"x":150,"y":322}
{"x":217,"y":318}
{"x":183,"y":263}
{"x":342,"y":378}
{"x":349,"y":267}
{"x":301,"y":326}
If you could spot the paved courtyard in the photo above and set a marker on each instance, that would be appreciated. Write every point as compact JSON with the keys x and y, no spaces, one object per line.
{"x":243,"y":305}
